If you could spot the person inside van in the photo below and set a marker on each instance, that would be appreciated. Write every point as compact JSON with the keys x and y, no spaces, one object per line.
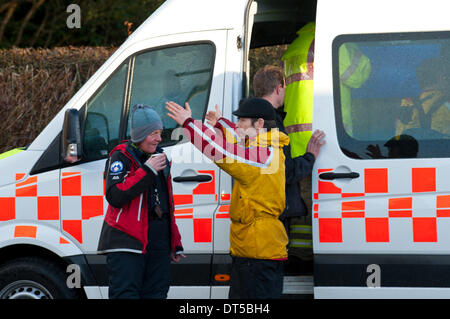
{"x":139,"y":233}
{"x":428,"y":115}
{"x":257,"y":237}
{"x":269,"y":83}
{"x":400,"y":146}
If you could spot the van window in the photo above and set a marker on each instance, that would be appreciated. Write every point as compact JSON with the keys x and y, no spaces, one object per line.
{"x":104,"y":111}
{"x":176,"y":74}
{"x":392,"y":95}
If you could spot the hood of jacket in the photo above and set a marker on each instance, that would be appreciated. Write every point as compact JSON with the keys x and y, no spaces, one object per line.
{"x":273,"y":138}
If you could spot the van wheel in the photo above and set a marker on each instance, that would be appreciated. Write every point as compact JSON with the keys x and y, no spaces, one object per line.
{"x":34,"y":278}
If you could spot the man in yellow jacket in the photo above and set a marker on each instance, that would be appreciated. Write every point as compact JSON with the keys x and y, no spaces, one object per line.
{"x":428,"y":115}
{"x":256,"y":162}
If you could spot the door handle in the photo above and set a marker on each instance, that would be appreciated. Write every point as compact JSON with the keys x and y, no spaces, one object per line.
{"x":331,"y":176}
{"x":197,"y":178}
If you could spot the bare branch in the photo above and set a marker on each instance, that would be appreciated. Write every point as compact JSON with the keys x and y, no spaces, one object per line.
{"x":27,"y":18}
{"x":12,"y":6}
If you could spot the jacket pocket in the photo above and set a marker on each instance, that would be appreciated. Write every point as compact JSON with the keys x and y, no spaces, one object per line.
{"x":242,"y":212}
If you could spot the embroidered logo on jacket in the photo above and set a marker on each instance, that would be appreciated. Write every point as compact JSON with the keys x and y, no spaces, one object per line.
{"x":116,"y":167}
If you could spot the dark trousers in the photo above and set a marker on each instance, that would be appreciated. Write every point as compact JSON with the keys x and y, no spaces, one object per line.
{"x":256,"y":278}
{"x":139,"y":276}
{"x":142,"y":276}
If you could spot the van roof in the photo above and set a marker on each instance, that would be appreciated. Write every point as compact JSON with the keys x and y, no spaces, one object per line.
{"x":181,"y":16}
{"x":275,"y":22}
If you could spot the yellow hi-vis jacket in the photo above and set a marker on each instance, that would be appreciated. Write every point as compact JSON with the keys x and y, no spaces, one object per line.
{"x":354,"y":69}
{"x":258,"y":196}
{"x":299,"y":68}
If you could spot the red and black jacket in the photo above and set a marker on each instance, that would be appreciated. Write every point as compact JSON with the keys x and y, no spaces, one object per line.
{"x":128,"y":184}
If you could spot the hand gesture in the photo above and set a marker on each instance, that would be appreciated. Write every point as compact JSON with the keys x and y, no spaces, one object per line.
{"x":177,"y":112}
{"x":213,"y":116}
{"x":374,"y":151}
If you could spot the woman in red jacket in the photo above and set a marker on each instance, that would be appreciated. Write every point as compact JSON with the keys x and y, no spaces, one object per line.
{"x":139,"y":233}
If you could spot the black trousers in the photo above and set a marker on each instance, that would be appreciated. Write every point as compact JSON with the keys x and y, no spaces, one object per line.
{"x":142,"y":276}
{"x":256,"y":278}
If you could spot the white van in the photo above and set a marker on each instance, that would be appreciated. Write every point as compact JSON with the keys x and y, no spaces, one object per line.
{"x":379,"y":223}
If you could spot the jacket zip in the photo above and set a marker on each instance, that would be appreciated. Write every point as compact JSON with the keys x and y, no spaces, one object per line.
{"x":140,"y":207}
{"x":118,"y":215}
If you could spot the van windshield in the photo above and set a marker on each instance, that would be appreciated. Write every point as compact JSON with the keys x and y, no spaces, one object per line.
{"x":392,"y":95}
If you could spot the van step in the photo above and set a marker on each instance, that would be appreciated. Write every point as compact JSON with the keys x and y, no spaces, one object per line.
{"x":298,"y":285}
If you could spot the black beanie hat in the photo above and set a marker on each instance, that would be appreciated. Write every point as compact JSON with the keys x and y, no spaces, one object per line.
{"x":255,"y":107}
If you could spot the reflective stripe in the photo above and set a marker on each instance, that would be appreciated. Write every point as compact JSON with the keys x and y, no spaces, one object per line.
{"x":304,"y":243}
{"x":352,"y":68}
{"x":140,"y":207}
{"x":309,"y":74}
{"x":304,"y":76}
{"x":230,"y":130}
{"x":118,"y":215}
{"x":301,"y":229}
{"x":305,"y":127}
{"x":11,"y":152}
{"x":226,"y":153}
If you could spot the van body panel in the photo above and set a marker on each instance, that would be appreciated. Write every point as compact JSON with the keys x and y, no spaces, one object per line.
{"x":37,"y":233}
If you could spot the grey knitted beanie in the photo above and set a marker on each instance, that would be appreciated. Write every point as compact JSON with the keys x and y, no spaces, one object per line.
{"x":144,"y":120}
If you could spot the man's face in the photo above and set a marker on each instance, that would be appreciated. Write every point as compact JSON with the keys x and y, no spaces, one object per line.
{"x":245,"y":127}
{"x":150,"y":143}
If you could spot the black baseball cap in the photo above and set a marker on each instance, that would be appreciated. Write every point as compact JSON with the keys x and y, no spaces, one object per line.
{"x":255,"y":107}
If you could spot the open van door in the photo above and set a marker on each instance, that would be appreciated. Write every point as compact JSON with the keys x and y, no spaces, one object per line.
{"x":381,"y":192}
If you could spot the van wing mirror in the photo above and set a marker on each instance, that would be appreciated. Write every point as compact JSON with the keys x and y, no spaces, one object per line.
{"x":71,"y":139}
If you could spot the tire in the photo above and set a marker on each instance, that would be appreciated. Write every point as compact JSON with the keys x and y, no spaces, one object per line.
{"x":34,"y":278}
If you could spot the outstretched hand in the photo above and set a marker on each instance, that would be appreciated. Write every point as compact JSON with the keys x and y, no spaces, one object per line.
{"x":213,"y":116}
{"x":177,"y":112}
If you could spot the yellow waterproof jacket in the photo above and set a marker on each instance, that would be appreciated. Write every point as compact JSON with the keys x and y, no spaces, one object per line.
{"x":435,"y":116}
{"x":258,"y":196}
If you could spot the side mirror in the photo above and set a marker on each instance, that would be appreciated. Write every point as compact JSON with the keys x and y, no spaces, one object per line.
{"x":71,"y":139}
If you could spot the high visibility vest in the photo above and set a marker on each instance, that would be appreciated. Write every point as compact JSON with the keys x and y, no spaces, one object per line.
{"x":354,"y":69}
{"x":298,"y":68}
